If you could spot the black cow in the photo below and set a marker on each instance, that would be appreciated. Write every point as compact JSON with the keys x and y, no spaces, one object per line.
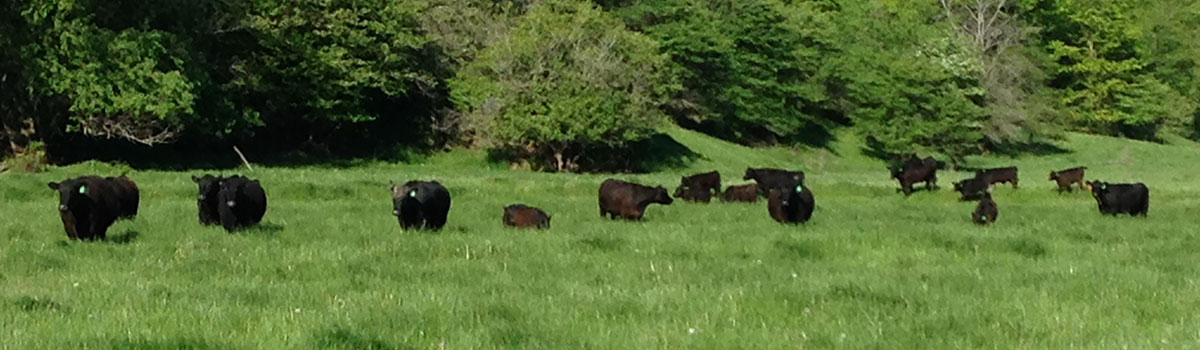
{"x":915,"y":170}
{"x":790,"y":205}
{"x":971,"y":189}
{"x":520,"y":215}
{"x":986,"y":211}
{"x":741,"y":193}
{"x":241,"y":202}
{"x":421,"y":203}
{"x":629,"y":200}
{"x":88,"y":205}
{"x":206,"y":200}
{"x":710,"y":181}
{"x":998,"y":175}
{"x":1066,"y":177}
{"x":768,"y":178}
{"x":694,"y":194}
{"x":1113,"y":199}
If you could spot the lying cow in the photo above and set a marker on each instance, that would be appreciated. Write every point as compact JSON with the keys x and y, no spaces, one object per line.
{"x":971,"y":189}
{"x":88,"y":205}
{"x":998,"y":175}
{"x":986,"y":211}
{"x":694,"y":194}
{"x":418,"y":204}
{"x":1066,"y":177}
{"x":790,"y":205}
{"x":241,"y":202}
{"x":520,"y":215}
{"x":1113,"y":199}
{"x":629,"y":200}
{"x":768,"y":178}
{"x":710,"y":181}
{"x":206,"y":200}
{"x":741,"y":193}
{"x":915,"y":170}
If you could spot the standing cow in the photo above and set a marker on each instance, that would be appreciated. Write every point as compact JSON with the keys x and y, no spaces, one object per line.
{"x":418,"y":204}
{"x":628,"y":200}
{"x":914,"y":170}
{"x":88,"y":205}
{"x":768,"y":178}
{"x":1064,"y":178}
{"x":790,"y":205}
{"x":1113,"y":199}
{"x":998,"y":175}
{"x":241,"y":202}
{"x":710,"y":181}
{"x":206,"y":200}
{"x":520,"y":215}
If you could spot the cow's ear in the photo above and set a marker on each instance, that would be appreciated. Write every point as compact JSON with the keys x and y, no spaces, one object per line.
{"x":195,"y":178}
{"x":53,"y":185}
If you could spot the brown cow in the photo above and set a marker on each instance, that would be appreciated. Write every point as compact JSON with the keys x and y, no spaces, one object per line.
{"x":710,"y":181}
{"x":520,"y":215}
{"x":629,"y":200}
{"x":694,"y":194}
{"x":741,"y":193}
{"x":1066,"y":177}
{"x":998,"y":175}
{"x":915,"y":170}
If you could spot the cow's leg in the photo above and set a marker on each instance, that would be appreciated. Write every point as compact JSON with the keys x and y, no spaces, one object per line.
{"x":1014,"y":183}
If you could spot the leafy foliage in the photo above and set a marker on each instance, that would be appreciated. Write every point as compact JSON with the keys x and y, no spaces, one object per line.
{"x":567,"y":76}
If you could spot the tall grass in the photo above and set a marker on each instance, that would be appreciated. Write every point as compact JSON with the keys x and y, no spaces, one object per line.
{"x":331,"y":269}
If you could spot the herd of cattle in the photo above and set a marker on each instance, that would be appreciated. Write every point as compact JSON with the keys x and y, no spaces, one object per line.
{"x":88,"y":205}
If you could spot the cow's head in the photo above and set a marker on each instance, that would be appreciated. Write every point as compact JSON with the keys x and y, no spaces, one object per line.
{"x":1098,"y":188}
{"x":896,"y":170}
{"x":1053,"y":175}
{"x":750,"y":174}
{"x":209,"y":186}
{"x":660,"y":196}
{"x":680,"y":191}
{"x":229,"y":188}
{"x":73,"y":194}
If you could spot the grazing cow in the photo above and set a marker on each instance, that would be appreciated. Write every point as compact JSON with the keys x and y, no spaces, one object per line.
{"x":741,"y":193}
{"x":207,"y":200}
{"x":768,"y":178}
{"x":998,"y":175}
{"x":986,"y":211}
{"x":629,"y":200}
{"x":1066,"y":177}
{"x":88,"y":205}
{"x":790,"y":205}
{"x":694,"y":194}
{"x":520,"y":215}
{"x":1114,"y":199}
{"x":241,"y":202}
{"x":972,"y":188}
{"x":419,"y":204}
{"x":710,"y":181}
{"x":915,"y":170}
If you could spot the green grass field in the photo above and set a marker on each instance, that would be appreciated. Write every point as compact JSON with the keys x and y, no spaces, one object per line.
{"x":331,"y":269}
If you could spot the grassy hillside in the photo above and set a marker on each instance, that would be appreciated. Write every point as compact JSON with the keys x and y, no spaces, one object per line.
{"x":330,"y":268}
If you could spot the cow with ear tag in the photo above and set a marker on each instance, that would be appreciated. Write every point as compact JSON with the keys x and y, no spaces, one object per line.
{"x":790,"y":205}
{"x":88,"y":205}
{"x":241,"y":202}
{"x":1118,"y":198}
{"x":420,"y":204}
{"x":206,"y":200}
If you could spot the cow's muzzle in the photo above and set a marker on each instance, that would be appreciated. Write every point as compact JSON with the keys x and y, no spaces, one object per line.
{"x":231,"y":204}
{"x":63,"y":208}
{"x":201,"y":197}
{"x":396,"y":212}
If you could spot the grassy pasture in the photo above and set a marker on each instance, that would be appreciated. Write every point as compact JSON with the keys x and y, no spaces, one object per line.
{"x":331,"y":269}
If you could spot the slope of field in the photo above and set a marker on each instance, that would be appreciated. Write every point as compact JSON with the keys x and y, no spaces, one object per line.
{"x":330,"y":268}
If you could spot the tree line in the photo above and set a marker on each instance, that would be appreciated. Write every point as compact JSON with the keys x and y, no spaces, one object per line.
{"x":567,"y":82}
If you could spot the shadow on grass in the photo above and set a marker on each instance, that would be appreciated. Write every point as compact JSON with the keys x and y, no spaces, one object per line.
{"x":342,"y":338}
{"x":129,"y":236}
{"x":263,"y":229}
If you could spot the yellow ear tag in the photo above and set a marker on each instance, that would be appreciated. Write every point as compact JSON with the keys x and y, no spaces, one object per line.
{"x":82,"y":189}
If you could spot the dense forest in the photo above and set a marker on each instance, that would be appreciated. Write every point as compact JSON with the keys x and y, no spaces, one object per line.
{"x":567,"y":83}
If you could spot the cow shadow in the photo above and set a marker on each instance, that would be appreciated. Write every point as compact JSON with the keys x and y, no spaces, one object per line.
{"x":262,"y":229}
{"x":129,"y":236}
